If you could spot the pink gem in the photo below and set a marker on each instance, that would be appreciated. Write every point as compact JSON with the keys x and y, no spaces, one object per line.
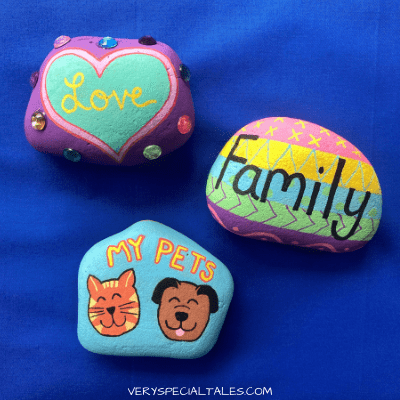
{"x":60,"y":41}
{"x":235,"y":228}
{"x":184,"y":124}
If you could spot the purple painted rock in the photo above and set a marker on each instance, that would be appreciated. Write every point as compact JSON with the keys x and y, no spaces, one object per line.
{"x":295,"y":182}
{"x":110,"y":101}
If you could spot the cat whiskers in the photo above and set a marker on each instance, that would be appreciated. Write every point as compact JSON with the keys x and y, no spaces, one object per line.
{"x":97,"y":312}
{"x":127,"y":304}
{"x":130,"y":313}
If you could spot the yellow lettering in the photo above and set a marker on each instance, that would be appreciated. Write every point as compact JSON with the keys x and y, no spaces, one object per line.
{"x":136,"y":246}
{"x":178,"y":256}
{"x":136,"y":93}
{"x":117,"y":249}
{"x":102,"y":96}
{"x":164,"y":247}
{"x":74,"y":98}
{"x":197,"y":261}
{"x":210,"y":266}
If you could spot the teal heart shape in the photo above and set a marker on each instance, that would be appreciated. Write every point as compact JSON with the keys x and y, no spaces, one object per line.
{"x":112,"y":107}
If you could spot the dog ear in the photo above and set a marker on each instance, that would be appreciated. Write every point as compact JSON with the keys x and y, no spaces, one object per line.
{"x":212,"y":295}
{"x":161,"y":286}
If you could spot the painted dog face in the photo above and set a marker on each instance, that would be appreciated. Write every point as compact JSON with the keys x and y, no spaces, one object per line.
{"x":184,"y":308}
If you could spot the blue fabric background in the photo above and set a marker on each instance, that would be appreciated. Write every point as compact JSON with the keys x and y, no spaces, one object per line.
{"x":309,"y":325}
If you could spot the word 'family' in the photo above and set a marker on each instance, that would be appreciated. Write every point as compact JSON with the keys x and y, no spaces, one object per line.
{"x":287,"y":179}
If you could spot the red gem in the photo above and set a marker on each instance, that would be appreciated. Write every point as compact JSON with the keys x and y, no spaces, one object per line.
{"x":184,"y":124}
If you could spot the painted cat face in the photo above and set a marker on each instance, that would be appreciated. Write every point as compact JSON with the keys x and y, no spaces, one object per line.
{"x":113,"y":304}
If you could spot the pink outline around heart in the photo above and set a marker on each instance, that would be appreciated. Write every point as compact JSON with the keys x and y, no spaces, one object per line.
{"x":99,"y":66}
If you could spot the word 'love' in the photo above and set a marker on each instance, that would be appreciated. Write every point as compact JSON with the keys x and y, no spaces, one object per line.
{"x":136,"y":93}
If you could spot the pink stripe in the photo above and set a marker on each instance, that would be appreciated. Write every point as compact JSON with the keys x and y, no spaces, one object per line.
{"x":329,"y":141}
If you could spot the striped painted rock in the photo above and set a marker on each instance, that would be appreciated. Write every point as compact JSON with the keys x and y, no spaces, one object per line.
{"x":295,"y":182}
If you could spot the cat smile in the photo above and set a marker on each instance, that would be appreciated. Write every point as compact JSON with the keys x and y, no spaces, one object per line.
{"x":113,"y":323}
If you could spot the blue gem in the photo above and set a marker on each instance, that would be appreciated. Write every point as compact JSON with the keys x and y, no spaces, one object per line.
{"x":72,"y":155}
{"x":107,"y":42}
{"x":185,"y":72}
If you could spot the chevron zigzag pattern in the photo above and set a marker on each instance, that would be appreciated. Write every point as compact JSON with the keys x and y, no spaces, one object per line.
{"x":282,"y":216}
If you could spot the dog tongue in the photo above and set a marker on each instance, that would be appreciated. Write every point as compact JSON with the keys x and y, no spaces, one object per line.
{"x":179,"y":332}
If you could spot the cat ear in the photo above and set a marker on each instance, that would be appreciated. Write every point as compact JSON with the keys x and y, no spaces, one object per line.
{"x":93,"y":284}
{"x":127,"y":278}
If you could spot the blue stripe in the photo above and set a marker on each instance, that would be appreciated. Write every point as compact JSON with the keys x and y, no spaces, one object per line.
{"x":372,"y":210}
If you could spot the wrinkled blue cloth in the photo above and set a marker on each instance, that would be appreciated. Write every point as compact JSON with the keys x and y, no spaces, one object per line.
{"x":307,"y":324}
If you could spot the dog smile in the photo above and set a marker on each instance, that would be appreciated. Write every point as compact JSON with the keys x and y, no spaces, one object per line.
{"x":180,"y":331}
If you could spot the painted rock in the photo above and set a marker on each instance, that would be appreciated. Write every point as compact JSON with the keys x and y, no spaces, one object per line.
{"x":151,"y":291}
{"x":295,"y":182}
{"x":110,"y":101}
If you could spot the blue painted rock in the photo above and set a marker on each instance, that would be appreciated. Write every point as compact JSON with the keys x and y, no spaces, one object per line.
{"x":295,"y":182}
{"x":110,"y":101}
{"x":151,"y":291}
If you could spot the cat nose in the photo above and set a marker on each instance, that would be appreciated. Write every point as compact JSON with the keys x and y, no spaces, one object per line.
{"x":181,"y":316}
{"x":111,"y":310}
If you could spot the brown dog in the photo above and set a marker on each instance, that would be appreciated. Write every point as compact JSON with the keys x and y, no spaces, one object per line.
{"x":184,"y":308}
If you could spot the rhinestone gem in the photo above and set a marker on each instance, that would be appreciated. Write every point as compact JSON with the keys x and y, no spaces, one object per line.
{"x":185,"y":72}
{"x":184,"y":124}
{"x":34,"y":78}
{"x":61,"y":40}
{"x":152,"y":152}
{"x":72,"y":155}
{"x":147,"y":40}
{"x":107,"y":42}
{"x":38,"y":121}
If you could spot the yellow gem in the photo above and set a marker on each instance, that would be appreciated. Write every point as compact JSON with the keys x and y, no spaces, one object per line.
{"x":38,"y":121}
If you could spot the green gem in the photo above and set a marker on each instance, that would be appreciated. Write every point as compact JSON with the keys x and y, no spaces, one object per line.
{"x":373,"y":212}
{"x":152,"y":152}
{"x":305,"y":201}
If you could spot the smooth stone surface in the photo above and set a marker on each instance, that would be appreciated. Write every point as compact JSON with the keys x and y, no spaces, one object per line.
{"x":294,"y":182}
{"x":151,"y":291}
{"x":109,"y":104}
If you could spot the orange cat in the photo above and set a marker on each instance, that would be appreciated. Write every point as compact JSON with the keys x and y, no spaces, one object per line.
{"x":113,"y":304}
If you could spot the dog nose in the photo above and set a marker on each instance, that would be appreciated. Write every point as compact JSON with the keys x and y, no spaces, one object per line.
{"x":111,"y":310}
{"x":181,"y":316}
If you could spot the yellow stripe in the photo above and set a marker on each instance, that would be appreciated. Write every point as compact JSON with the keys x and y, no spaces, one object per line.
{"x":127,"y":279}
{"x":129,"y":325}
{"x":273,"y":155}
{"x":94,"y":284}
